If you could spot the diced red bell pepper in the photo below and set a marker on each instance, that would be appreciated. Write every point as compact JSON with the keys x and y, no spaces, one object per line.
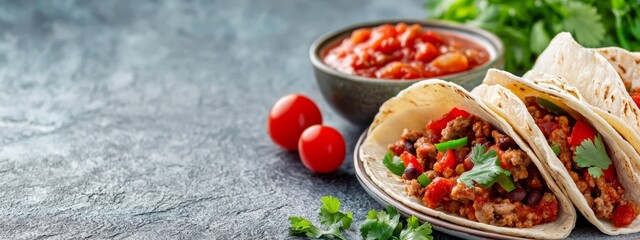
{"x":636,"y":98}
{"x":610,"y":173}
{"x":624,"y":214}
{"x":408,"y":158}
{"x":436,"y":191}
{"x":448,"y":160}
{"x":436,"y":125}
{"x":581,"y":131}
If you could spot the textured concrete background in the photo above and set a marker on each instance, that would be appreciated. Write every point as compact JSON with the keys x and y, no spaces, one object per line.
{"x":146,"y":119}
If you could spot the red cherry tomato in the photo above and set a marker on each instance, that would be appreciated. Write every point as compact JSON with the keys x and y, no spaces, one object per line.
{"x":322,"y":149}
{"x":289,"y":117}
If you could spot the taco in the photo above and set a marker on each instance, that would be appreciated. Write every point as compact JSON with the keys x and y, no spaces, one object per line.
{"x":583,"y":153}
{"x":438,"y":149}
{"x":597,"y":83}
{"x":627,"y":64}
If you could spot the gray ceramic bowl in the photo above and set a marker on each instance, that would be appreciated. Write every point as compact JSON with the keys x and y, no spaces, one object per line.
{"x":358,"y":98}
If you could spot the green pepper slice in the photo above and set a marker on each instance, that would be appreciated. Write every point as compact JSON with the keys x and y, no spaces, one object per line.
{"x":393,"y":163}
{"x":546,"y":104}
{"x":424,"y":180}
{"x":452,"y":144}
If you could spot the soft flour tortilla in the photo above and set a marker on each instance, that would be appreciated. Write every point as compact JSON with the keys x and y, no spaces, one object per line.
{"x":505,"y":93}
{"x":626,"y":63}
{"x":598,"y":83}
{"x":412,"y":108}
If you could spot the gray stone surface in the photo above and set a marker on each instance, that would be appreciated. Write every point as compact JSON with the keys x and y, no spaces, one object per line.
{"x":146,"y":119}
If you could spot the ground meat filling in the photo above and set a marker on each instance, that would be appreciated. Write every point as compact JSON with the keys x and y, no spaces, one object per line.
{"x":531,"y":203}
{"x":602,"y":196}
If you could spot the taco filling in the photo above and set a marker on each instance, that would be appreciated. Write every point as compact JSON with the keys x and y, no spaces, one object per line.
{"x":584,"y":155}
{"x":462,"y":164}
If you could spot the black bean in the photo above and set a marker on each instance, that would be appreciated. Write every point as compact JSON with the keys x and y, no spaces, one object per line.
{"x":517,"y":195}
{"x":488,"y":143}
{"x":411,"y":173}
{"x":408,"y":146}
{"x":533,"y":197}
{"x":505,"y":143}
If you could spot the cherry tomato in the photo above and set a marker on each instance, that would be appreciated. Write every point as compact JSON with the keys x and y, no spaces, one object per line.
{"x":289,"y":117}
{"x":321,"y":148}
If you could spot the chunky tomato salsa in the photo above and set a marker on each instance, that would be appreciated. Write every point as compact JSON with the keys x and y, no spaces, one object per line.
{"x":584,"y":155}
{"x":404,"y":52}
{"x":462,"y":164}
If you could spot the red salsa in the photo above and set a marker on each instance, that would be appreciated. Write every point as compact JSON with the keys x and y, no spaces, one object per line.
{"x":404,"y":52}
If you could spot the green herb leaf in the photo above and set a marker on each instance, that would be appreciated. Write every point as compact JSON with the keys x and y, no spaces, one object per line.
{"x":486,"y":170}
{"x":393,"y":163}
{"x":592,"y":155}
{"x":381,"y":225}
{"x":303,"y":227}
{"x":329,"y":216}
{"x":584,"y":21}
{"x":539,"y":37}
{"x":416,"y":232}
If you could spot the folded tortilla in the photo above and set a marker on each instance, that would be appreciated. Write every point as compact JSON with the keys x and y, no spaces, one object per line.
{"x":504,"y":93}
{"x":597,"y":82}
{"x":413,"y":108}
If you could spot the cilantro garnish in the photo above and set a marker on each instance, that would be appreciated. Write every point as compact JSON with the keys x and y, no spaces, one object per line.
{"x":592,"y":156}
{"x":528,"y":25}
{"x":486,"y":170}
{"x":383,"y":225}
{"x":329,"y":216}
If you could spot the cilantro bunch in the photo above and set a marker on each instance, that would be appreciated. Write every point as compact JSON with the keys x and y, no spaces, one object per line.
{"x":527,"y":26}
{"x":381,"y":225}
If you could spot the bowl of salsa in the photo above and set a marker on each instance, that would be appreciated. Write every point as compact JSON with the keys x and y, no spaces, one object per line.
{"x":359,"y":67}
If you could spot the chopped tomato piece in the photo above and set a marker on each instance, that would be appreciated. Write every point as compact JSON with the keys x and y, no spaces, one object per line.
{"x":397,"y":70}
{"x":389,"y":45}
{"x":581,"y":131}
{"x":636,"y":98}
{"x":451,"y":62}
{"x":431,"y":37}
{"x":436,"y":191}
{"x":360,"y":35}
{"x":436,"y":125}
{"x":448,"y":160}
{"x":426,"y":52}
{"x":610,"y":173}
{"x":408,"y":158}
{"x":624,"y":215}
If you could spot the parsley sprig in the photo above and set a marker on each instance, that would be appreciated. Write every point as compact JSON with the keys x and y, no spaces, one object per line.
{"x":592,"y":155}
{"x":380,"y":225}
{"x":486,"y":170}
{"x":526,"y":26}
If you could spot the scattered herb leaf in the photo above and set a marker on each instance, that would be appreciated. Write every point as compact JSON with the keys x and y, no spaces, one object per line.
{"x":592,"y":155}
{"x":486,"y":170}
{"x":329,"y":216}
